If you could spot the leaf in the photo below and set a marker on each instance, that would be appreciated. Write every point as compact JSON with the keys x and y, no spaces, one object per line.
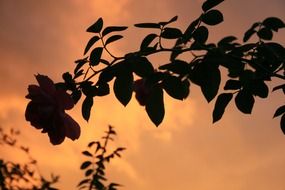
{"x":244,"y":101}
{"x":226,"y":40}
{"x":96,"y":27}
{"x":171,"y":33}
{"x":85,"y":164}
{"x":86,"y":107}
{"x":110,"y":29}
{"x":76,"y":95}
{"x":79,"y":66}
{"x":82,"y":182}
{"x":90,"y":43}
{"x":279,"y":111}
{"x":187,"y":35}
{"x":89,"y":172}
{"x":209,"y":4}
{"x":175,"y":87}
{"x":123,"y":87}
{"x":210,"y":84}
{"x":265,"y":33}
{"x":221,"y":103}
{"x":273,"y":23}
{"x":87,"y":153}
{"x":201,"y":34}
{"x":173,"y":19}
{"x":142,"y":67}
{"x":212,"y":17}
{"x":95,"y":56}
{"x":155,"y":106}
{"x":282,"y":86}
{"x":90,"y":144}
{"x":106,"y":75}
{"x":148,"y":25}
{"x":177,"y":66}
{"x":113,"y":38}
{"x":147,"y":41}
{"x":260,"y":89}
{"x":282,"y":123}
{"x":232,"y":85}
{"x":248,"y":34}
{"x":103,"y":89}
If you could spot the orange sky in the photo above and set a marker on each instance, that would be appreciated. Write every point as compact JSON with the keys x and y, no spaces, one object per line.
{"x":186,"y":151}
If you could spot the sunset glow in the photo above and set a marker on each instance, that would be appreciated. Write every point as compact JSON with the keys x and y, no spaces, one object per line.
{"x":186,"y":151}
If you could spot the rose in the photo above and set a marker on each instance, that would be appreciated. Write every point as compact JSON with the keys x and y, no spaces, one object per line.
{"x":142,"y":91}
{"x":46,"y":111}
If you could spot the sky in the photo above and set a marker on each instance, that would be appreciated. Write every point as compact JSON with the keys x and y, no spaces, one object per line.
{"x":186,"y":151}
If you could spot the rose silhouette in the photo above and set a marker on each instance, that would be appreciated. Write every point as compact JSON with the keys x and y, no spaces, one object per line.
{"x":142,"y":91}
{"x":46,"y":111}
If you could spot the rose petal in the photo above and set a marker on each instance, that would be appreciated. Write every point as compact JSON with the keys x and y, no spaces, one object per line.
{"x":72,"y":129}
{"x":33,"y":90}
{"x":32,"y":115}
{"x":46,"y":84}
{"x":56,"y":131}
{"x":64,"y":100}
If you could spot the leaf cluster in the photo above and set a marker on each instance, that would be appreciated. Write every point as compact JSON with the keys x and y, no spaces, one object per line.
{"x":20,"y":176}
{"x":250,"y":65}
{"x":97,"y":157}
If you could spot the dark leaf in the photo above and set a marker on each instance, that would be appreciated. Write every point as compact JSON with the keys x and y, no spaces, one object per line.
{"x":171,"y":33}
{"x":95,"y":56}
{"x":78,"y":71}
{"x":82,"y":182}
{"x":250,"y":32}
{"x":175,"y":87}
{"x":170,"y":21}
{"x":155,"y":105}
{"x":279,"y":111}
{"x":248,"y":35}
{"x":96,"y":27}
{"x":177,"y":66}
{"x":201,"y":34}
{"x":226,"y":40}
{"x":273,"y":23}
{"x":113,"y":38}
{"x":209,"y":4}
{"x":221,"y":103}
{"x":282,"y":86}
{"x":87,"y":153}
{"x":232,"y":85}
{"x":76,"y":95}
{"x":110,"y":29}
{"x":176,"y":51}
{"x":106,"y":75}
{"x":123,"y":87}
{"x":213,"y":17}
{"x":265,"y":33}
{"x":189,"y":31}
{"x":260,"y":89}
{"x":90,"y":43}
{"x":210,"y":84}
{"x":103,"y":89}
{"x":86,"y":107}
{"x":89,"y":172}
{"x":91,"y":144}
{"x":244,"y":101}
{"x":282,"y":123}
{"x":67,"y":77}
{"x":85,"y":164}
{"x":147,"y":41}
{"x":148,"y":25}
{"x":142,"y":67}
